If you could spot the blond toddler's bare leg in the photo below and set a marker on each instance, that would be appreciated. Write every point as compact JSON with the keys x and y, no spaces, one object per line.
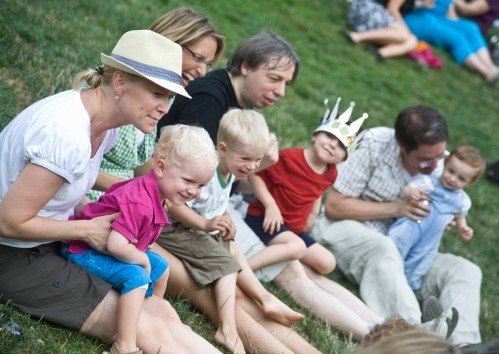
{"x":160,"y":286}
{"x":272,"y":307}
{"x":129,"y":309}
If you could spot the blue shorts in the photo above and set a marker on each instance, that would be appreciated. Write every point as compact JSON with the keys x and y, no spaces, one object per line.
{"x":124,"y":277}
{"x":256,"y":224}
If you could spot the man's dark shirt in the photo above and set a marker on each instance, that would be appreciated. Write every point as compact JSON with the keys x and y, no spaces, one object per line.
{"x":212,"y":96}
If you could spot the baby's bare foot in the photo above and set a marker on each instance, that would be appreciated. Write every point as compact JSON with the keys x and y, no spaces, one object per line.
{"x":275,"y":309}
{"x":230,"y":340}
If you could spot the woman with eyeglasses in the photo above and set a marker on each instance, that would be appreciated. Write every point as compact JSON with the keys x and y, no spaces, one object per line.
{"x":201,"y":45}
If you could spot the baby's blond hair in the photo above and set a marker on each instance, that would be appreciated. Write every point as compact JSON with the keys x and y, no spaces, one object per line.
{"x":179,"y":143}
{"x":472,"y":157}
{"x":240,"y":128}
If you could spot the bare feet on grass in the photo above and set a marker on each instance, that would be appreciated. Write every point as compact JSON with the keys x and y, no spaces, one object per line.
{"x":229,"y":340}
{"x":276,"y":310}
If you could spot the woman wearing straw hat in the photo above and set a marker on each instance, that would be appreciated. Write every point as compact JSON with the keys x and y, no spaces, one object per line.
{"x":49,"y":158}
{"x":201,"y":45}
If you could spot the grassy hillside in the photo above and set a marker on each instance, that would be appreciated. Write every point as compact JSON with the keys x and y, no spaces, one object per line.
{"x":44,"y":43}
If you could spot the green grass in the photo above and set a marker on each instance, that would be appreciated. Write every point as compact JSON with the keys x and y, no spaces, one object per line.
{"x":44,"y":43}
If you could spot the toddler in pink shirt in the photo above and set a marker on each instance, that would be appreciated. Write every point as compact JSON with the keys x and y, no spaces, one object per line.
{"x":184,"y":161}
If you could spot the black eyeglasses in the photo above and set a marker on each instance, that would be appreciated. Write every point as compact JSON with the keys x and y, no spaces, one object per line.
{"x":201,"y":60}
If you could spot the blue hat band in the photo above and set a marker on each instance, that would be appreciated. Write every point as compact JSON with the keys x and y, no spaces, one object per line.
{"x":150,"y":70}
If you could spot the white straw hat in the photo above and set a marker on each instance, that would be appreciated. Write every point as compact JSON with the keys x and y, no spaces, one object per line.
{"x":150,"y":55}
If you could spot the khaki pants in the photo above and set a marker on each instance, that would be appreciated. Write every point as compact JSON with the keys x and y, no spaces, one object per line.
{"x":371,"y":260}
{"x":206,"y":257}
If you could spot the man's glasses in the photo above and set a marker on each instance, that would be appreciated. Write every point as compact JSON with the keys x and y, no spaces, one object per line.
{"x":426,"y":164}
{"x":201,"y":60}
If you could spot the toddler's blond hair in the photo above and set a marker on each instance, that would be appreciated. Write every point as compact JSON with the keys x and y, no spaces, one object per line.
{"x":240,"y":128}
{"x":179,"y":143}
{"x":472,"y":157}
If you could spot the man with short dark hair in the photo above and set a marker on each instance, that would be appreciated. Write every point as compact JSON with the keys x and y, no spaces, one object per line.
{"x":257,"y":74}
{"x":366,"y":199}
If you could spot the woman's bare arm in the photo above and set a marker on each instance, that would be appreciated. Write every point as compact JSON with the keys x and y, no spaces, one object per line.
{"x":474,"y":8}
{"x":31,"y":191}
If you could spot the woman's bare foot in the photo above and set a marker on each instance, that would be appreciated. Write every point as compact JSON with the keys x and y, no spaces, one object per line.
{"x":230,"y":340}
{"x":275,"y":309}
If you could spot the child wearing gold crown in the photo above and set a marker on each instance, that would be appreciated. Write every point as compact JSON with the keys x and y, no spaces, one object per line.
{"x":289,"y":194}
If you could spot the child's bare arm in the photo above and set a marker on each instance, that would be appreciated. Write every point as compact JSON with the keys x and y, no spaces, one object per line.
{"x":313,"y":214}
{"x":189,"y":218}
{"x":465,"y":231}
{"x":407,"y":192}
{"x":230,"y":231}
{"x":273,"y":217}
{"x":261,"y":191}
{"x":412,"y":193}
{"x":271,"y":155}
{"x":122,"y":249}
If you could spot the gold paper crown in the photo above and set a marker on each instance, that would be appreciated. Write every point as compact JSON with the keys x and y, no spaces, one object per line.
{"x":338,"y":126}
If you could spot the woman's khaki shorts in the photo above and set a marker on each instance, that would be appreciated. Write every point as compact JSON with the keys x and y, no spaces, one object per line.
{"x":206,"y":257}
{"x":39,"y":282}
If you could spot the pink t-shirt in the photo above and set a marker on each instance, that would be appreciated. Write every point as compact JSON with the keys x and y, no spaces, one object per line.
{"x":142,"y":216}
